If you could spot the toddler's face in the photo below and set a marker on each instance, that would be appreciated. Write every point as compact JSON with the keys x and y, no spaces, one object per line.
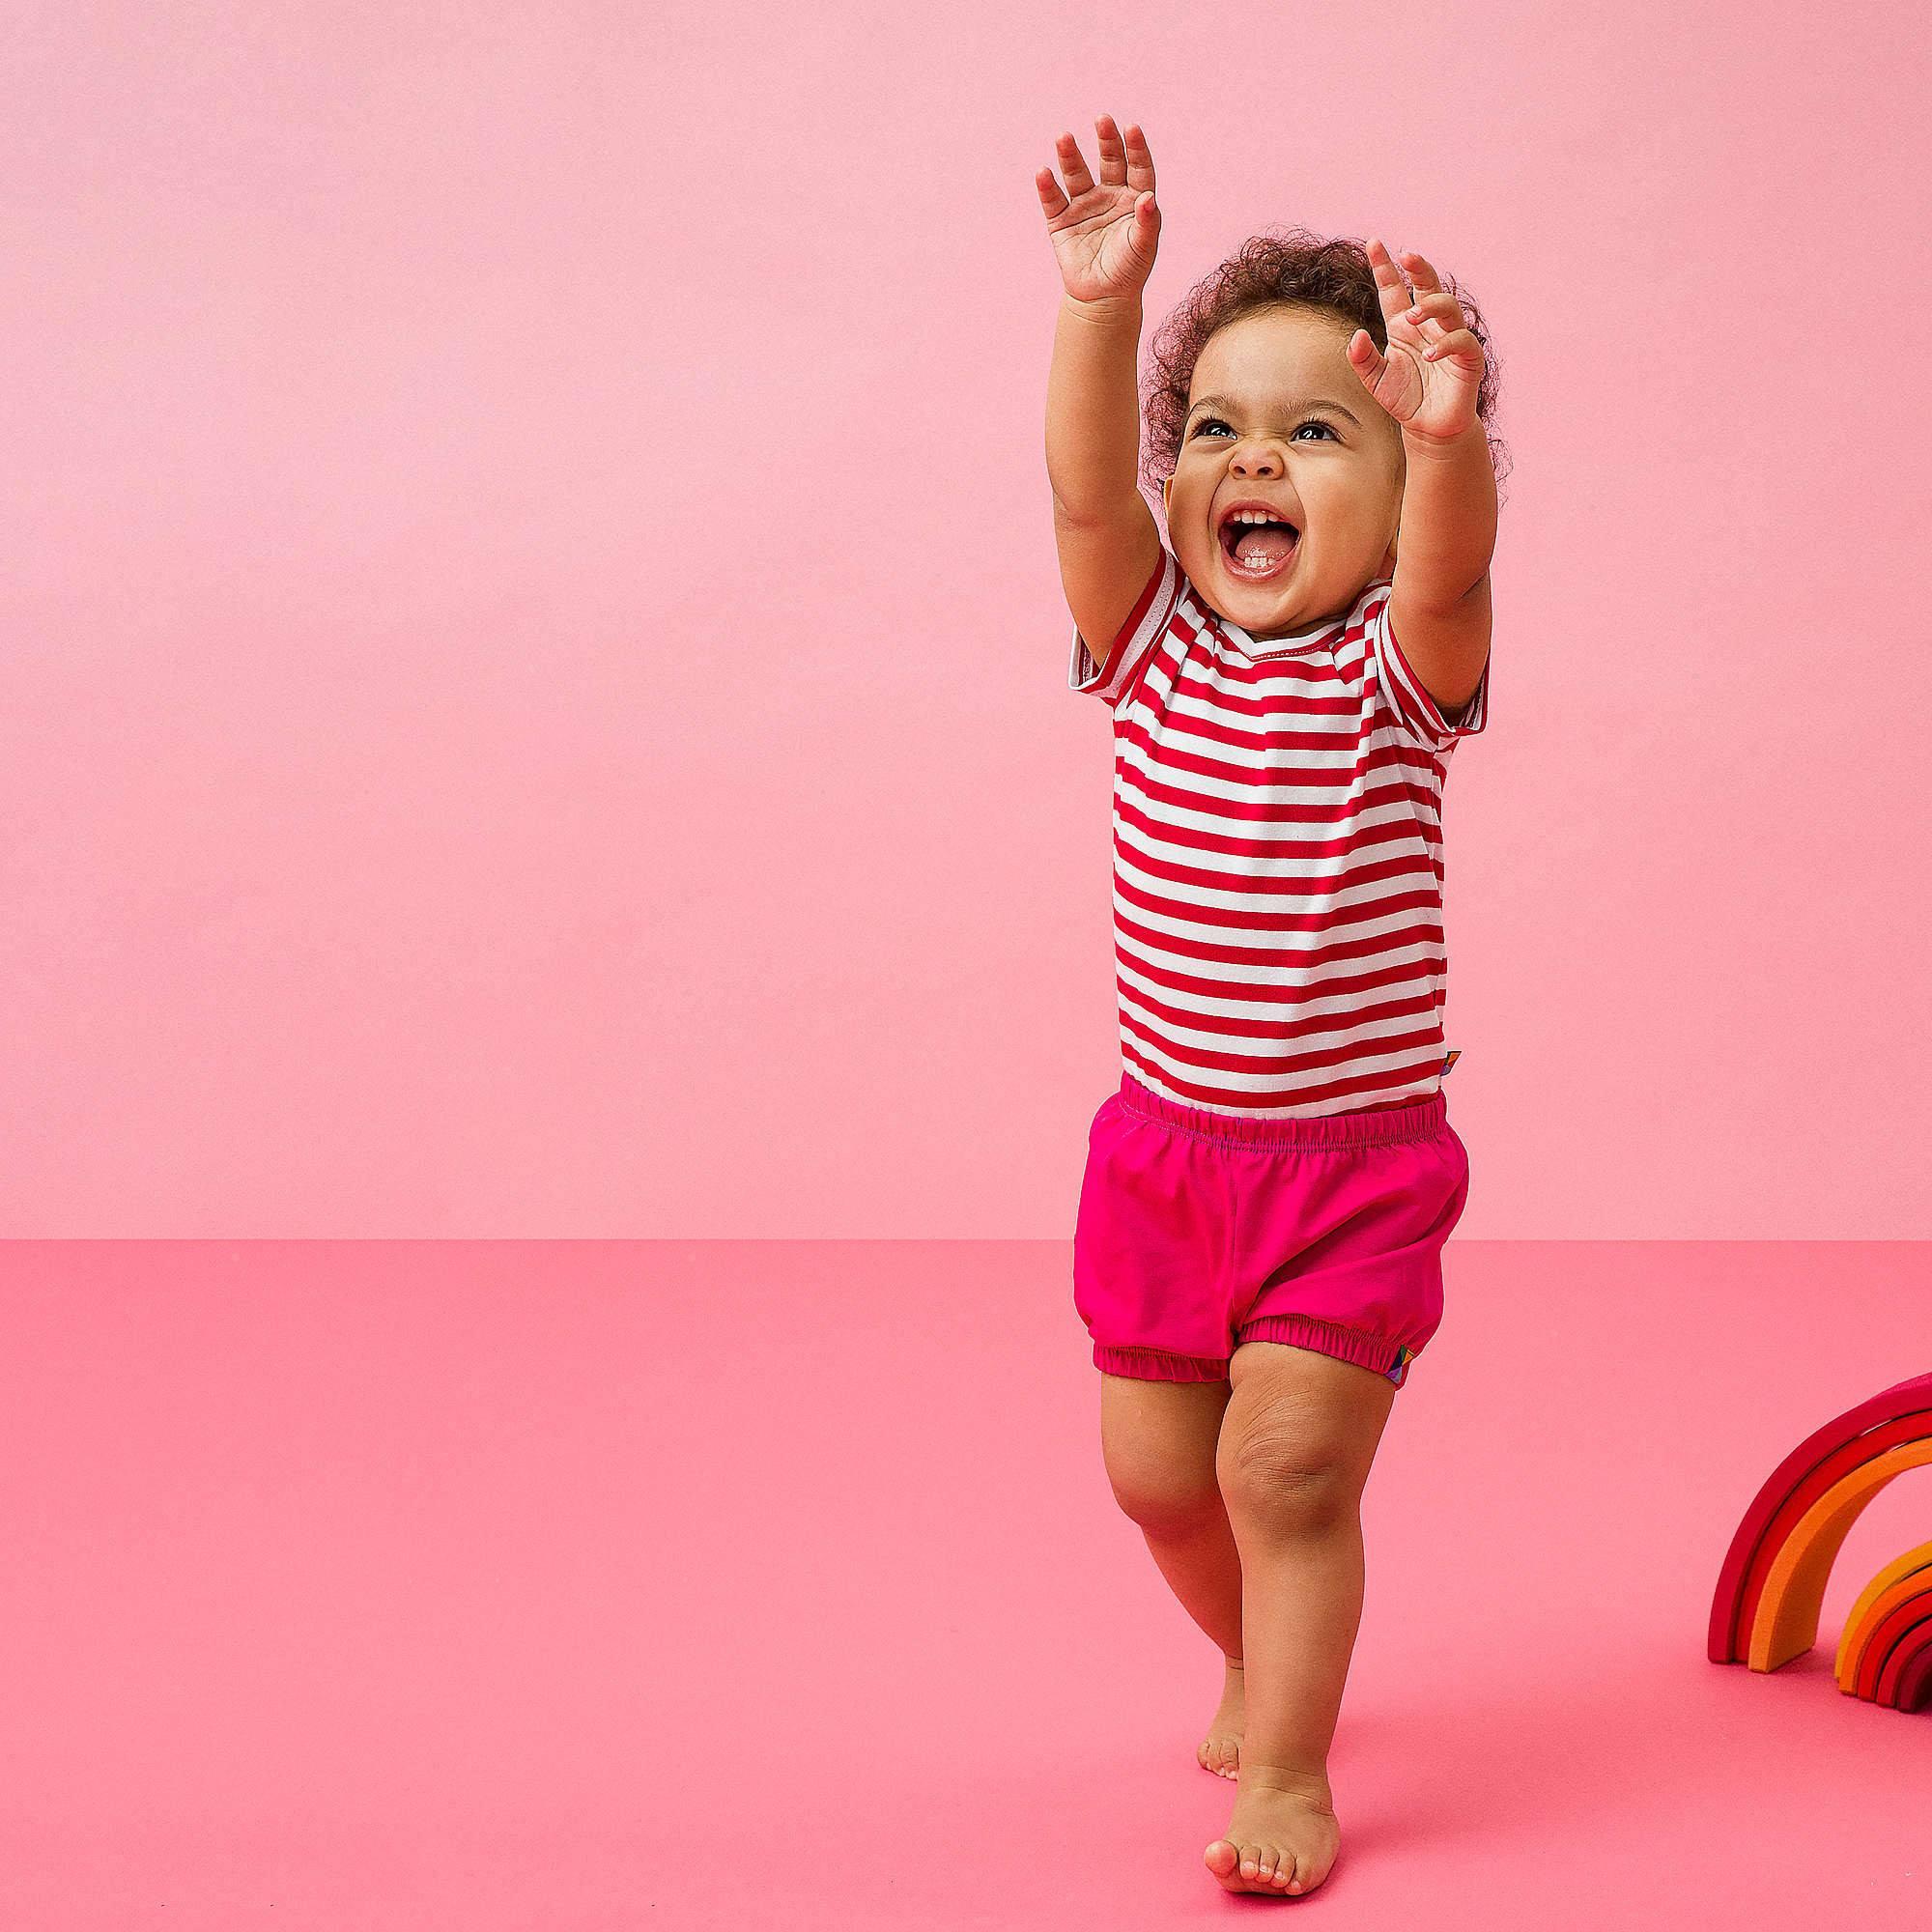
{"x":1257,"y":430}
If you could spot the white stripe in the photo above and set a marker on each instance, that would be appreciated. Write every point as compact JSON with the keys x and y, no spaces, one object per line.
{"x":1259,"y":1083}
{"x":1405,"y":933}
{"x":1346,"y":893}
{"x":1083,"y":674}
{"x":1172,"y":1043}
{"x":1286,"y":832}
{"x":1290,"y":998}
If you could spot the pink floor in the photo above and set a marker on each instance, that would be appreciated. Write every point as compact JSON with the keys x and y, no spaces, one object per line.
{"x":595,"y":1584}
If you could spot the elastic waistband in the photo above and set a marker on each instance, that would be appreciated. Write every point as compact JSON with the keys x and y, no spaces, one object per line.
{"x":1378,"y":1127}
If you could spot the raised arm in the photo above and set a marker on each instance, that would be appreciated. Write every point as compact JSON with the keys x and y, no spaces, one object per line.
{"x":1092,"y":407}
{"x":1430,"y":381}
{"x":1104,"y":234}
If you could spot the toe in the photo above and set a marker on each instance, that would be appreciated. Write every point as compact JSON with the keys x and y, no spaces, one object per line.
{"x":1222,"y":1859}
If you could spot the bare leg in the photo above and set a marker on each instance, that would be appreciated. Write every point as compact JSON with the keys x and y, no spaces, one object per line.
{"x":1159,"y":1441}
{"x":1297,"y":1440}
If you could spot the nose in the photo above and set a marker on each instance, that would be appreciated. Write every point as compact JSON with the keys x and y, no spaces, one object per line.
{"x":1251,"y":457}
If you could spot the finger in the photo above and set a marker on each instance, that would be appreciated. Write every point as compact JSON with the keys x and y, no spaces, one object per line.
{"x":1073,"y":166}
{"x":1391,"y":290}
{"x":1367,"y":361}
{"x":1113,"y":152}
{"x":1140,"y":159}
{"x":1434,"y":307}
{"x":1052,"y":202}
{"x":1419,"y":270}
{"x":1458,"y":342}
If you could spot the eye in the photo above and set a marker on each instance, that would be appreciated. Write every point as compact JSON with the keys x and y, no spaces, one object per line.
{"x":1216,"y":422}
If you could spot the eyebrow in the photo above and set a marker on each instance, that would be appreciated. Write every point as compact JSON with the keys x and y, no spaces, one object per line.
{"x":1314,"y":403}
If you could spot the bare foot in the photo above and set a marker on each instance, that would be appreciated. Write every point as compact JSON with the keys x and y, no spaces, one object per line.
{"x":1220,"y":1750}
{"x":1284,"y":1834}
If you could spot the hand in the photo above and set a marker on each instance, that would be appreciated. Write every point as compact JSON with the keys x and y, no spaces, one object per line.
{"x":1428,"y":379}
{"x":1105,"y":237}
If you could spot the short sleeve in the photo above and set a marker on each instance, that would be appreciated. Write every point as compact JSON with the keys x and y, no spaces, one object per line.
{"x":1403,"y":694}
{"x":1150,"y":617}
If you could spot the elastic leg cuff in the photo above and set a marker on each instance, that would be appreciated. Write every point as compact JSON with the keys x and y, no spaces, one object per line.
{"x":1156,"y":1365}
{"x":1331,"y":1338}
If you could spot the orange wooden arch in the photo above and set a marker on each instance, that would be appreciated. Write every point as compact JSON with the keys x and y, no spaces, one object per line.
{"x":1786,"y":1624}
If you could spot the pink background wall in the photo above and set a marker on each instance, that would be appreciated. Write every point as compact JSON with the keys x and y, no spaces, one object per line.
{"x":533,"y":699}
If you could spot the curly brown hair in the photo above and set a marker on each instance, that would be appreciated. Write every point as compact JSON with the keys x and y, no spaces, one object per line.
{"x":1299,"y":269}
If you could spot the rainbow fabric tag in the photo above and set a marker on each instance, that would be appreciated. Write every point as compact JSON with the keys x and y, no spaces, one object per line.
{"x":1453,"y":1055}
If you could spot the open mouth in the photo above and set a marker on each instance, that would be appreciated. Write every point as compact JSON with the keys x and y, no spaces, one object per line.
{"x":1254,"y":552}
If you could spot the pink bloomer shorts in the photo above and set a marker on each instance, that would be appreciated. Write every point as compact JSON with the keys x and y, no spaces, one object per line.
{"x":1200,"y":1231}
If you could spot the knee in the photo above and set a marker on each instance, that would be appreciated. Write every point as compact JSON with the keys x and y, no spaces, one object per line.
{"x":1289,"y":1482}
{"x":1164,"y":1498}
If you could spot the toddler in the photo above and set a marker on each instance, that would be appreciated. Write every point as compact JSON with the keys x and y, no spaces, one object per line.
{"x":1257,"y":1250}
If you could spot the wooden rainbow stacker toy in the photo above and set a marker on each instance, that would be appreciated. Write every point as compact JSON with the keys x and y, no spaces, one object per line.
{"x":1765,"y":1611}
